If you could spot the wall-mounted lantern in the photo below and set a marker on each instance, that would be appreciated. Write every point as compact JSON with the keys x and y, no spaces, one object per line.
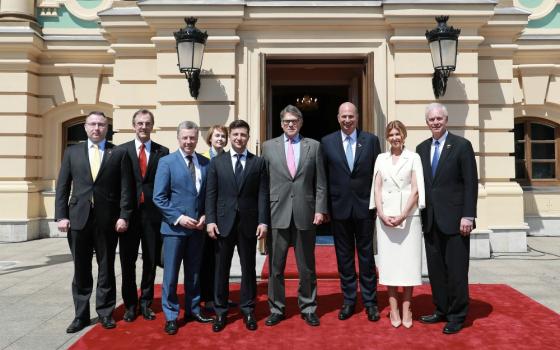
{"x":443,"y":41}
{"x":190,"y":49}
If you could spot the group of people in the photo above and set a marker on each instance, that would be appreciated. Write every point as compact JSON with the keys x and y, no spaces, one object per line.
{"x":194,"y":209}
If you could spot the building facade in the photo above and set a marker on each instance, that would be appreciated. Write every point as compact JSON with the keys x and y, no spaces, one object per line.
{"x":60,"y":59}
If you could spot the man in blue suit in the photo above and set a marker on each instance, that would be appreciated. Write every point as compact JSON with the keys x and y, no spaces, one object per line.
{"x":349,"y":156}
{"x":179,"y":193}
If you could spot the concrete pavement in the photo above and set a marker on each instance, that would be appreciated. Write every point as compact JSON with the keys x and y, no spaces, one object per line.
{"x":36,"y":303}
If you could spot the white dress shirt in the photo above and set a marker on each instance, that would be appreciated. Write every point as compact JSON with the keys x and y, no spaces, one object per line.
{"x":147,"y":148}
{"x":233,"y":156}
{"x":354,"y":137}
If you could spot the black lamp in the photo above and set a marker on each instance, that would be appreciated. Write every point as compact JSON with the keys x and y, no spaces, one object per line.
{"x":443,"y":41}
{"x":190,"y":49}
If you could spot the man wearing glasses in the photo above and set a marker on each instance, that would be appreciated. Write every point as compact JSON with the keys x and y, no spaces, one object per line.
{"x":145,"y":222}
{"x":94,"y":201}
{"x":298,"y":203}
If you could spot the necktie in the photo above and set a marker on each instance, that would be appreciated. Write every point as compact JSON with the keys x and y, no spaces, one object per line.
{"x":291,"y":158}
{"x":95,"y":161}
{"x":192,"y":170}
{"x":238,"y":170}
{"x":349,"y":155}
{"x":142,"y":163}
{"x":435,"y":158}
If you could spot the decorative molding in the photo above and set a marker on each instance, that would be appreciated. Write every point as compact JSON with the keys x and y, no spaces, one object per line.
{"x":49,"y":8}
{"x":539,"y":10}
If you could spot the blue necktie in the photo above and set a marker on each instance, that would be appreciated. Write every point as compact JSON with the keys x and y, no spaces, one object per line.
{"x":349,"y":155}
{"x":435,"y":159}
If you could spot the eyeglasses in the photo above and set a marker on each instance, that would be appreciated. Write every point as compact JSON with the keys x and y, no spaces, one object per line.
{"x":100,"y":125}
{"x":290,"y":121}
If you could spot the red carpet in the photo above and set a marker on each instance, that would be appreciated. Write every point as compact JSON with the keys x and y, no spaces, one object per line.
{"x":325,"y":264}
{"x":499,"y":318}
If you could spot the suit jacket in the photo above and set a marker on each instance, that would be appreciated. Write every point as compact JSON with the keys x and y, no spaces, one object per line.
{"x":397,"y":182}
{"x":301,"y":196}
{"x":146,"y":184}
{"x":112,"y":191}
{"x":225,"y":201}
{"x":175,"y":193}
{"x":453,"y":192}
{"x":349,"y":191}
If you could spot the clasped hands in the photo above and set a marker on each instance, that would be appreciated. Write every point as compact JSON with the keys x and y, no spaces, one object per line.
{"x":391,"y":221}
{"x":192,"y":224}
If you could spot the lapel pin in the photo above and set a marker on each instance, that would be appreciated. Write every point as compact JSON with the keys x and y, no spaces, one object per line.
{"x":359,"y":145}
{"x":448,"y":146}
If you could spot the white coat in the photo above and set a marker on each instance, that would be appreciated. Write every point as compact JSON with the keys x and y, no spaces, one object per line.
{"x":397,"y":186}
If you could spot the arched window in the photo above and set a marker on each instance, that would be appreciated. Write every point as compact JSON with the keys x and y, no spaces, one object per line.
{"x":536,"y":151}
{"x":73,"y":132}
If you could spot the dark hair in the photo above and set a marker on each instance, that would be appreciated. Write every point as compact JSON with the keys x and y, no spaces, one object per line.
{"x":239,"y":123}
{"x":395,"y":124}
{"x":292,"y":110}
{"x":142,"y":111}
{"x":97,"y":113}
{"x":222,"y":128}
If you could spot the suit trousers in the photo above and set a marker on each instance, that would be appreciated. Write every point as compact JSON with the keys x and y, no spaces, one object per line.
{"x":303,"y":242}
{"x":177,"y":249}
{"x":448,"y":269}
{"x":353,"y":235}
{"x":247,"y":249}
{"x":82,"y":244}
{"x":145,"y":231}
{"x":208,"y":270}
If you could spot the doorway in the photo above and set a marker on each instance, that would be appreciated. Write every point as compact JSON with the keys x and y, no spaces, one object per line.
{"x":317,"y":87}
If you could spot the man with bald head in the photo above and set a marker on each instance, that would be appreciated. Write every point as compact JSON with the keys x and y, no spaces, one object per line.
{"x":349,"y":156}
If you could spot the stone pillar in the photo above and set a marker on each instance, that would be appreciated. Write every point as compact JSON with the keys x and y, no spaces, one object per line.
{"x":18,"y":10}
{"x":503,"y":201}
{"x":20,"y":136}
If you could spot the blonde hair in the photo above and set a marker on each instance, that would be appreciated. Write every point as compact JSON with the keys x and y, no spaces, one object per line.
{"x":395,"y":124}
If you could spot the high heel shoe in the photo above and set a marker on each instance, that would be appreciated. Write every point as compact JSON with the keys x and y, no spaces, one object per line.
{"x":407,"y":319}
{"x":396,"y":320}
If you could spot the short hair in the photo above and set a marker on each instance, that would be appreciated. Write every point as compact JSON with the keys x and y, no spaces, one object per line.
{"x":142,"y":111}
{"x":222,"y":128}
{"x":188,"y":125}
{"x":435,"y":106}
{"x":395,"y":124}
{"x":97,"y":113}
{"x":292,"y":110}
{"x":239,"y":123}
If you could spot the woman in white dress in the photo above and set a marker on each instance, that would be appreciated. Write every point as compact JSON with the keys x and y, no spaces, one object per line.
{"x":398,"y":195}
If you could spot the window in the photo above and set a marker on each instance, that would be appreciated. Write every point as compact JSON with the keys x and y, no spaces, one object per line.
{"x":73,"y":132}
{"x":536,"y":151}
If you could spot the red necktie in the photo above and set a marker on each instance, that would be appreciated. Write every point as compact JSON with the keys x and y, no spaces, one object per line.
{"x":142,"y":162}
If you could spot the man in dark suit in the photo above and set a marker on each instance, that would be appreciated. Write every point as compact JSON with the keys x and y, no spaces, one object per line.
{"x":179,"y":193}
{"x":298,"y":202}
{"x":238,"y":213}
{"x":451,"y":184}
{"x":94,"y":201}
{"x":145,"y":221}
{"x":350,"y":156}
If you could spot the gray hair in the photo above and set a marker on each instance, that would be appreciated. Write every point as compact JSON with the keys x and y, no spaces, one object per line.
{"x":142,"y":111}
{"x":435,"y":106}
{"x":292,"y":110}
{"x":188,"y":125}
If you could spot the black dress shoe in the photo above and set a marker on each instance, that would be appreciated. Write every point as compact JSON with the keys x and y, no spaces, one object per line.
{"x":274,"y":319}
{"x":147,"y":313}
{"x":311,"y":319}
{"x":130,"y":314}
{"x":372,"y":313}
{"x":107,"y":322}
{"x":346,"y":312}
{"x":452,"y":327}
{"x":171,"y":327}
{"x":250,"y":322}
{"x":219,"y":323}
{"x":200,"y":318}
{"x":77,"y":325}
{"x":434,"y":318}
